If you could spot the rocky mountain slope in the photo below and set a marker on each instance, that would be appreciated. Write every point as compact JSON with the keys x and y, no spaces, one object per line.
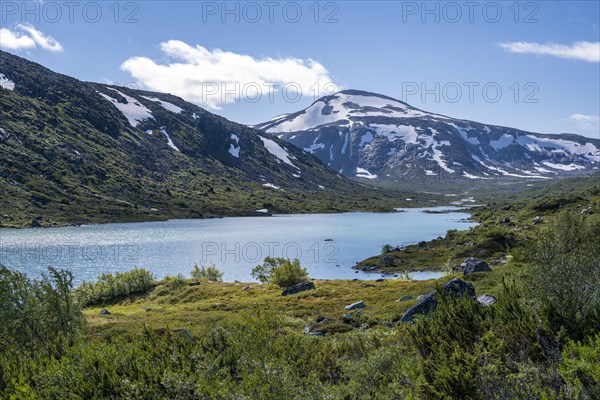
{"x":77,"y":152}
{"x":371,"y":136}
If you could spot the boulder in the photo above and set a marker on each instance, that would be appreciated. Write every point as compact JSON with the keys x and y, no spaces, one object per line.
{"x":422,"y":243}
{"x":246,"y":288}
{"x":308,"y":330}
{"x":472,"y":265}
{"x":389,"y":261}
{"x":104,"y":311}
{"x":299,"y":287}
{"x":354,"y":306}
{"x":405,"y":298}
{"x":486,"y":299}
{"x":455,"y":288}
{"x":499,"y":261}
{"x":183,"y":332}
{"x":380,"y":280}
{"x":537,"y":220}
{"x":35,"y":223}
{"x":194,"y":283}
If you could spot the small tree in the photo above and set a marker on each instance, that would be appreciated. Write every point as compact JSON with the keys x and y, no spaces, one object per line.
{"x":280,"y":271}
{"x":210,"y":273}
{"x":386,"y":248}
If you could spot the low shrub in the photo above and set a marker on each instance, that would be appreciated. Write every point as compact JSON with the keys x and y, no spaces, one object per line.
{"x":280,"y":271}
{"x":110,"y":287}
{"x":210,"y":273}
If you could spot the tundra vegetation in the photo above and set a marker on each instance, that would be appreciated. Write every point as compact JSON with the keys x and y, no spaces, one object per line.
{"x":216,"y":340}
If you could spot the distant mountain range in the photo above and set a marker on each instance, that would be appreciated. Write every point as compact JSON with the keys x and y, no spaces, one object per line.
{"x":371,"y":136}
{"x":78,"y":152}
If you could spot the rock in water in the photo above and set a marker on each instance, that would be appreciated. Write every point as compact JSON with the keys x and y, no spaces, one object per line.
{"x":472,"y":265}
{"x":354,"y":306}
{"x":455,"y":288}
{"x":299,"y":287}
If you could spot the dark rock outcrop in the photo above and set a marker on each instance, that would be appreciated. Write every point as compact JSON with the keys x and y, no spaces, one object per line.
{"x":455,"y":288}
{"x":472,"y":265}
{"x":299,"y":287}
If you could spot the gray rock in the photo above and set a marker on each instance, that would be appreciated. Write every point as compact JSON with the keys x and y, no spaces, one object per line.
{"x":537,"y":220}
{"x":35,"y":223}
{"x":183,"y":332}
{"x":499,"y":261}
{"x":354,"y":306}
{"x":246,"y":288}
{"x":405,"y":298}
{"x":299,"y":287}
{"x":422,"y":244}
{"x":104,"y":311}
{"x":472,"y":265}
{"x":194,"y":283}
{"x":486,"y":299}
{"x":380,"y":280}
{"x":309,"y":332}
{"x":420,"y":297}
{"x":455,"y":288}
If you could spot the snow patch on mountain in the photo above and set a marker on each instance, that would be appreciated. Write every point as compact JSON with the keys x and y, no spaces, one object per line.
{"x":271,"y":186}
{"x":363,"y":173}
{"x":564,"y":167}
{"x":366,"y":139}
{"x":169,"y":141}
{"x":314,"y":147}
{"x":6,"y":83}
{"x":133,"y":110}
{"x":504,"y":141}
{"x":234,"y":149}
{"x":165,"y":104}
{"x":406,"y":133}
{"x":277,"y":151}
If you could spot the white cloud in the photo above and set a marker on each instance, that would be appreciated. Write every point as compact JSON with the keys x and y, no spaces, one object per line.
{"x":585,"y":122}
{"x":586,"y":51}
{"x":216,"y":77}
{"x":26,"y":36}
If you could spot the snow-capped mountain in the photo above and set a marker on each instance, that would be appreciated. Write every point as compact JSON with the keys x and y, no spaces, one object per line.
{"x":368,"y":135}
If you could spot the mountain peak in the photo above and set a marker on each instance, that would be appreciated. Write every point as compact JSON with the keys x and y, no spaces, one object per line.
{"x":369,"y":135}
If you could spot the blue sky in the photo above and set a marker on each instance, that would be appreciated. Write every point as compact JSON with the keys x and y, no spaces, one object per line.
{"x":451,"y":58}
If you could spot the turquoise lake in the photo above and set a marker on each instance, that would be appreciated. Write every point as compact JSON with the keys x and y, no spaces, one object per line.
{"x":328,"y":245}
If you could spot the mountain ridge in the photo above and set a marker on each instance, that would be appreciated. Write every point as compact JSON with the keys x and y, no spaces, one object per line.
{"x":81,"y":152}
{"x":375,"y":136}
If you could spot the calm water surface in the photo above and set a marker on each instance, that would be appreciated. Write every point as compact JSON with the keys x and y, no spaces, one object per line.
{"x":328,"y":245}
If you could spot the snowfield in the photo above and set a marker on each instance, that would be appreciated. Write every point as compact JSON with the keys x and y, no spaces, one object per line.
{"x":133,"y":110}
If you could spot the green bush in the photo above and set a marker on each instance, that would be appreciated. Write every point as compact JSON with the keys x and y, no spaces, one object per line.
{"x":280,"y":271}
{"x":110,"y":287}
{"x":37,"y":315}
{"x":210,"y":273}
{"x":174,"y":282}
{"x":564,"y":278}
